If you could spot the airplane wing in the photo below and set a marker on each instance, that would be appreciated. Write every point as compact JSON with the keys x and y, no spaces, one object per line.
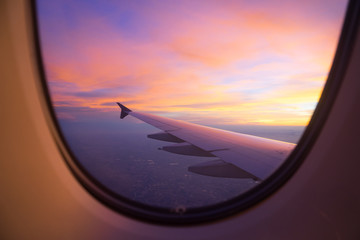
{"x":239,"y":155}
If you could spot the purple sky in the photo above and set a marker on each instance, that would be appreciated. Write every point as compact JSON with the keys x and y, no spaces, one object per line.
{"x":228,"y":62}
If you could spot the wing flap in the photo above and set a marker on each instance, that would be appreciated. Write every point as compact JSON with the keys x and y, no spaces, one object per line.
{"x":187,"y":149}
{"x":219,"y":168}
{"x":166,"y":137}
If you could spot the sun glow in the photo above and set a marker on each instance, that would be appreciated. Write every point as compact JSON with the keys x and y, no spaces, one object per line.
{"x":228,"y":63}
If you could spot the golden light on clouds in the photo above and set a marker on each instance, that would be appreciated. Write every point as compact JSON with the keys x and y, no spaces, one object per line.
{"x":230,"y":63}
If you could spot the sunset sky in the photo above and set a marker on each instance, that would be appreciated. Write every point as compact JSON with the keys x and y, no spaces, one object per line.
{"x":210,"y":62}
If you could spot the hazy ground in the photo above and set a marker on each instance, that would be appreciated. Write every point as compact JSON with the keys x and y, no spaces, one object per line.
{"x":120,"y":156}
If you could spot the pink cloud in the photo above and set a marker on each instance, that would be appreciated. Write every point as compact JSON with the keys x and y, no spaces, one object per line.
{"x":198,"y":59}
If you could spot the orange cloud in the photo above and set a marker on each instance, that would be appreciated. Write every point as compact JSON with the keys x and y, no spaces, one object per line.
{"x":229,"y":64}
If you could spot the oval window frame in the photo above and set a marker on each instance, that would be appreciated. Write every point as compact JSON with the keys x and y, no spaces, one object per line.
{"x":230,"y":207}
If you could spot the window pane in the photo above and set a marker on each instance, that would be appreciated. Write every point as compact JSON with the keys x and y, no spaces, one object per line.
{"x":253,"y":67}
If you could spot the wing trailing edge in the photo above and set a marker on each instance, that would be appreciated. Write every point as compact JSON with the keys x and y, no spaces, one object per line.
{"x":219,"y":168}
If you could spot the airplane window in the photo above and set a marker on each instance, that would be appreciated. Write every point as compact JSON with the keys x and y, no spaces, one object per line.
{"x":213,"y":96}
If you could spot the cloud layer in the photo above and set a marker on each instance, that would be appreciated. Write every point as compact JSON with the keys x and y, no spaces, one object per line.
{"x":238,"y":62}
